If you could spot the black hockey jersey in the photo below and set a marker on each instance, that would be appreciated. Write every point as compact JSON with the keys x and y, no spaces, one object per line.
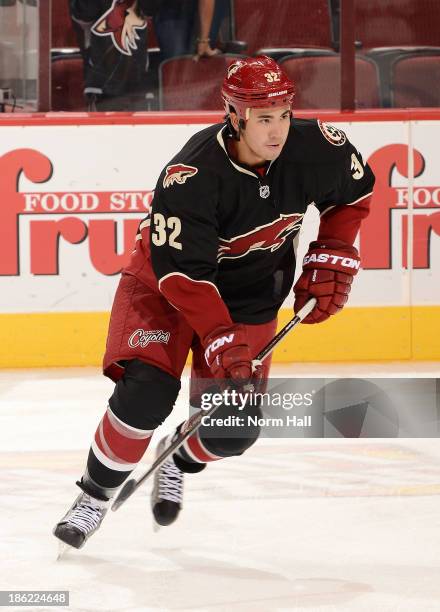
{"x":115,"y":64}
{"x":221,"y":223}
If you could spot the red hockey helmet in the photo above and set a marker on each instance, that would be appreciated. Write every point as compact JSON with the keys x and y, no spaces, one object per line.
{"x":256,"y":82}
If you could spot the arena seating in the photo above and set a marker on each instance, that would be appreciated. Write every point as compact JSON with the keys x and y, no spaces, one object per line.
{"x":317,"y":81}
{"x":390,"y":23}
{"x":189,"y":85}
{"x":63,"y":33}
{"x":398,"y":39}
{"x":282,"y":23}
{"x":415,"y":80}
{"x":67,"y":82}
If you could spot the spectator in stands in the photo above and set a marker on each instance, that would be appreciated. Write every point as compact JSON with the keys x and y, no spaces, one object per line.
{"x":175,"y":24}
{"x":206,"y":15}
{"x":115,"y":51}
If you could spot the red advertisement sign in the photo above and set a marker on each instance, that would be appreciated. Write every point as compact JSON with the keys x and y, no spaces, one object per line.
{"x":72,"y":225}
{"x":75,"y":209}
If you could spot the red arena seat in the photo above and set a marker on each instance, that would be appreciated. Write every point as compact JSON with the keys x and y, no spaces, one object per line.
{"x":389,"y":23}
{"x":68,"y":83}
{"x":282,"y":23}
{"x":189,"y":85}
{"x":63,"y":34}
{"x":317,"y":81}
{"x":415,"y":81}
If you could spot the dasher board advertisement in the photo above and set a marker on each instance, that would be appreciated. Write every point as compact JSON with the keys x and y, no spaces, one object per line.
{"x":72,"y":196}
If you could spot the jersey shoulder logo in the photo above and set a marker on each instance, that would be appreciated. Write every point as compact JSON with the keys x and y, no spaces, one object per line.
{"x":333,"y":135}
{"x":121,"y":23}
{"x":178,"y":173}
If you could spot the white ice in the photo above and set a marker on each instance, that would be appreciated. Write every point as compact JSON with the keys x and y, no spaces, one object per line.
{"x":325,"y":525}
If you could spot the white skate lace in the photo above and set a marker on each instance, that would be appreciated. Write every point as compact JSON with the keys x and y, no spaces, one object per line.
{"x":171,"y":482}
{"x":86,"y":516}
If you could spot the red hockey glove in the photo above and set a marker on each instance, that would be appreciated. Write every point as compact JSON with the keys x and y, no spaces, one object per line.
{"x":228,"y":354}
{"x":328,"y":271}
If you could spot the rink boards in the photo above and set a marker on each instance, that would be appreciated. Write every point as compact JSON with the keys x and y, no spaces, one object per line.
{"x":74,"y":187}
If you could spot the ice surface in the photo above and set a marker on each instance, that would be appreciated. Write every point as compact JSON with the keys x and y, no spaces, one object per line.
{"x":340,"y":525}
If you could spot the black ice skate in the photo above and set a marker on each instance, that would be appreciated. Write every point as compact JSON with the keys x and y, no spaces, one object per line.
{"x":167,"y":493}
{"x":82,"y":520}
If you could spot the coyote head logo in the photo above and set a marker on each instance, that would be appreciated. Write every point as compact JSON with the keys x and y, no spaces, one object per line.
{"x":178,"y":173}
{"x":121,"y":23}
{"x":265,"y":237}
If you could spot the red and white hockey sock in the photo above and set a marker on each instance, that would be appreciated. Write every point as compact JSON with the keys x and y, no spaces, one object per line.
{"x":116,"y":450}
{"x":194,"y":454}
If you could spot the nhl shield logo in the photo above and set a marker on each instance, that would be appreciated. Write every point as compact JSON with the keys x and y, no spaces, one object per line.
{"x":264,"y":191}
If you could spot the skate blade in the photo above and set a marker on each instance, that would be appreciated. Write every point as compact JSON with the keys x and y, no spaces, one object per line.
{"x":63,"y":549}
{"x":156,"y":526}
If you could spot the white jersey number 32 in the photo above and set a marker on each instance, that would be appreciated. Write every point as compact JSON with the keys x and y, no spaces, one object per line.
{"x":166,"y":231}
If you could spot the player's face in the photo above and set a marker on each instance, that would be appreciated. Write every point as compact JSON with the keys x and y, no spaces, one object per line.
{"x":265,"y":135}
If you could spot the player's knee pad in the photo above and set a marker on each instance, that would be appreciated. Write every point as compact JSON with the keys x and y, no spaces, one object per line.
{"x":228,"y":447}
{"x":144,"y":396}
{"x":237,"y":433}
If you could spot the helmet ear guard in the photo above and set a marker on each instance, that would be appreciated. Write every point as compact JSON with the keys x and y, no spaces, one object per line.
{"x":256,"y":82}
{"x":235,"y":133}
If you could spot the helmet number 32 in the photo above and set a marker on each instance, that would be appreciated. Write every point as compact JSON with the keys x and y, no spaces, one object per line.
{"x":272,"y":77}
{"x":161,"y":234}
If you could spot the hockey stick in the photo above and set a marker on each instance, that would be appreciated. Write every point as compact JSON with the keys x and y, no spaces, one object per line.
{"x":195,"y":421}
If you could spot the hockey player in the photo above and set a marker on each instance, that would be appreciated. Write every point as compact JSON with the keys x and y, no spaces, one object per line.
{"x":213,"y":264}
